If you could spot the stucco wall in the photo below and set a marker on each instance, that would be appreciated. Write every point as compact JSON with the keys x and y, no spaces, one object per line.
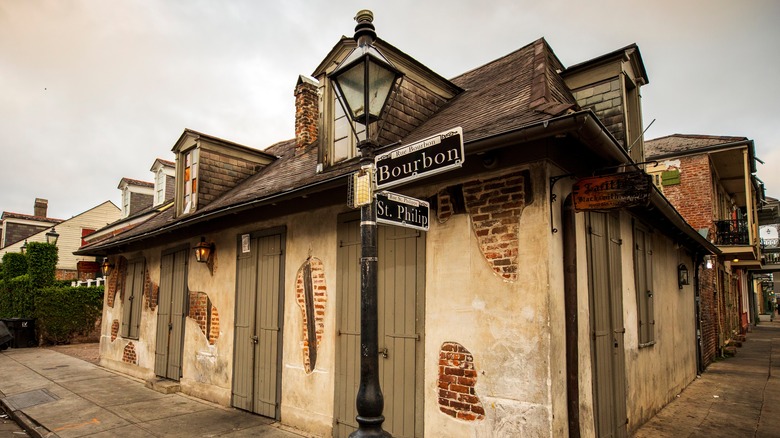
{"x":506,"y":333}
{"x":656,"y":373}
{"x":505,"y":325}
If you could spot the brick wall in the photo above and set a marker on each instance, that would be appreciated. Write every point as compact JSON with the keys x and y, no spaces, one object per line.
{"x":319,"y":293}
{"x":205,"y":314}
{"x":116,"y":281}
{"x":66,"y":274}
{"x":606,"y":100}
{"x":151,"y":292}
{"x":495,"y":206}
{"x":457,"y":380}
{"x":708,"y":315}
{"x":129,"y":355}
{"x":693,"y":197}
{"x":307,"y":113}
{"x":114,"y":329}
{"x":219,"y":173}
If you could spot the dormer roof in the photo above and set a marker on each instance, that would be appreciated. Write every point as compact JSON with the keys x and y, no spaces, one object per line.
{"x":159,"y":162}
{"x":130,"y":182}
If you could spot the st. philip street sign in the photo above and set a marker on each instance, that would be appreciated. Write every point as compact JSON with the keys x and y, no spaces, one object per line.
{"x":435,"y":154}
{"x":395,"y":209}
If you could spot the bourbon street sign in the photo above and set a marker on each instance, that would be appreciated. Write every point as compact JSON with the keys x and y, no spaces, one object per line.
{"x":614,"y":191}
{"x":394,"y":209}
{"x":435,"y":154}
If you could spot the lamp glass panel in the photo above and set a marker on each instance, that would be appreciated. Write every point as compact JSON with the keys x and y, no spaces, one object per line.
{"x":351,"y":84}
{"x":381,"y":83}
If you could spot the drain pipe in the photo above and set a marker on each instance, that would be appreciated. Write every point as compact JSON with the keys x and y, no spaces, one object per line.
{"x":570,"y":311}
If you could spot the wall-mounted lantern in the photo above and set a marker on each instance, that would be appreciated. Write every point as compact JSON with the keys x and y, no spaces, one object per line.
{"x":106,"y":267}
{"x":708,"y":261}
{"x":682,"y":276}
{"x":52,"y":236}
{"x":203,"y":251}
{"x":24,"y":246}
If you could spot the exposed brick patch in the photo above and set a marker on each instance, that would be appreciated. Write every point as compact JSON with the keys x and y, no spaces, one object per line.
{"x":128,"y":355}
{"x":114,"y":329}
{"x":151,"y":292}
{"x":315,"y":270}
{"x":116,"y":281}
{"x":495,"y":206}
{"x":205,"y":314}
{"x":456,"y":385}
{"x":445,"y":209}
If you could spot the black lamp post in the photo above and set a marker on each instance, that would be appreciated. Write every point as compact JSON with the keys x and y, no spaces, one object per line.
{"x":365,"y":80}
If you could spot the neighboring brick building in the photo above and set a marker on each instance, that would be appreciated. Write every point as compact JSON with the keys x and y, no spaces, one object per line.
{"x":710,"y":180}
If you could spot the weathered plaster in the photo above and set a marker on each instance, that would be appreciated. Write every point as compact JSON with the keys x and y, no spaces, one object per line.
{"x":506,"y":326}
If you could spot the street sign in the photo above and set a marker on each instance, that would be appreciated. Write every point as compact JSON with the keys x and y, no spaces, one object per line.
{"x":400,"y":210}
{"x":619,"y":190}
{"x":435,"y":154}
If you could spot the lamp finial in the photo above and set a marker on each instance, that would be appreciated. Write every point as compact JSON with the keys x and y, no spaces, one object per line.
{"x":365,"y":32}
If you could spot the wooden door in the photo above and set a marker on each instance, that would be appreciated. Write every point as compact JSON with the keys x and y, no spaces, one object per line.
{"x":606,"y":306}
{"x":258,"y":325}
{"x":171,"y":312}
{"x":401,"y":281}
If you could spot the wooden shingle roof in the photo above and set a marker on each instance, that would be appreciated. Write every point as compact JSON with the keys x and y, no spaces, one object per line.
{"x":516,"y":90}
{"x":680,"y":143}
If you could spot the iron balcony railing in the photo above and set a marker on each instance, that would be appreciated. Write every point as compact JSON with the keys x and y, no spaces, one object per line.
{"x":732,"y":232}
{"x":769,"y":243}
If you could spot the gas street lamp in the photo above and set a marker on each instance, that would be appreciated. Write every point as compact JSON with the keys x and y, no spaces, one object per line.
{"x":365,"y":81}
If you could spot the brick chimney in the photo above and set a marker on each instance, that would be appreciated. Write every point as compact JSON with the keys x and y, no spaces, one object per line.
{"x":41,"y":207}
{"x":306,"y":112}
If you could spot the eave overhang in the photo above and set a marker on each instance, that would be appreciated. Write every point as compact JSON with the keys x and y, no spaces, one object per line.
{"x":583,"y":126}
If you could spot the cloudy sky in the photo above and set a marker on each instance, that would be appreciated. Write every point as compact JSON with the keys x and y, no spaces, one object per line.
{"x":94,"y":90}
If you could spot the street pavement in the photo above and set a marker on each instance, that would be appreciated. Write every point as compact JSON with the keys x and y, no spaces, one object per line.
{"x":55,"y":395}
{"x":51,"y":395}
{"x":734,"y":397}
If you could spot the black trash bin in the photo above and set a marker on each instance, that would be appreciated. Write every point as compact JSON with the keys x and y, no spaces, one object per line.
{"x":6,"y":339}
{"x":23,"y":331}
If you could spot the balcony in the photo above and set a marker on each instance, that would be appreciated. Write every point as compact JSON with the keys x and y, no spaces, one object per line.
{"x":732,"y":232}
{"x":734,"y":239}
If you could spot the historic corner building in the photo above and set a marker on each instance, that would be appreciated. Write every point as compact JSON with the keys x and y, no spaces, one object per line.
{"x":520,"y":311}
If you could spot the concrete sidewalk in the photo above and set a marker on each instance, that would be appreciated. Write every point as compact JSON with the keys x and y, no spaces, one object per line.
{"x":734,"y":397}
{"x":55,"y":395}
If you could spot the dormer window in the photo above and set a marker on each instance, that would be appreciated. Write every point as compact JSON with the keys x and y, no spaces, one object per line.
{"x":136,"y":196}
{"x":164,"y":177}
{"x":159,"y":187}
{"x":344,"y":141}
{"x":125,"y":202}
{"x":190,"y":181}
{"x":207,"y":167}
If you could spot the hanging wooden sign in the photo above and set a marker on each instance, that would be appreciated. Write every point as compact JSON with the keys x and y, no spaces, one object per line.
{"x":619,"y":190}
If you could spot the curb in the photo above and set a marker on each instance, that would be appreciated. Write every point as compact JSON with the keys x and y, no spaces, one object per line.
{"x":32,"y":427}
